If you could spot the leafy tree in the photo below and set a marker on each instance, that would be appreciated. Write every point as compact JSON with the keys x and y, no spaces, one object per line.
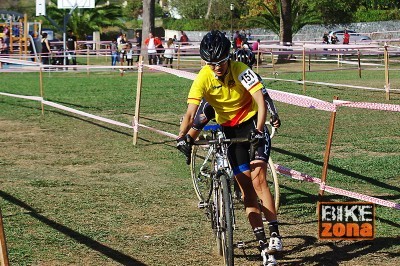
{"x":334,"y":12}
{"x":134,"y":9}
{"x":284,"y":17}
{"x":191,"y":9}
{"x":84,"y":21}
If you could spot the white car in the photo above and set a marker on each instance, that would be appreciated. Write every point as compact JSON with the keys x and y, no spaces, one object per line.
{"x":354,"y":36}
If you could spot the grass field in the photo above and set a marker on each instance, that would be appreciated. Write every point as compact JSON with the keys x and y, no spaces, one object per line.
{"x":75,"y":191}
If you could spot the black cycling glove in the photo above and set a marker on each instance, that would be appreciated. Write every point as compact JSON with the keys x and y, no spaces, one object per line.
{"x":275,"y":121}
{"x":184,"y":145}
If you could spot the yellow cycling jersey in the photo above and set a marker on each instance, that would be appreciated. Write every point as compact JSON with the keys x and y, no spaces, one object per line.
{"x":231,"y":98}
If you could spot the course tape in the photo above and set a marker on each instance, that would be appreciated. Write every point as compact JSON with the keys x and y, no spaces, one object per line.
{"x":372,"y":106}
{"x":301,"y":100}
{"x":304,"y":177}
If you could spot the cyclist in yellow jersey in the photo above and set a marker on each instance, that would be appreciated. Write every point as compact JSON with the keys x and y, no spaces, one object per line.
{"x":234,"y":91}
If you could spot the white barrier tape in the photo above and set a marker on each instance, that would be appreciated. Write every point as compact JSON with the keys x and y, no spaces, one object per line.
{"x":160,"y":131}
{"x":179,"y":73}
{"x":366,"y":105}
{"x":19,"y":62}
{"x":304,"y":177}
{"x":33,"y":98}
{"x":326,"y":84}
{"x":322,"y":186}
{"x":68,"y":109}
{"x":301,"y":100}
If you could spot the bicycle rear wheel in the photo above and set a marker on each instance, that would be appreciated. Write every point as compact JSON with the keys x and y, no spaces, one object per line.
{"x":226,"y":219}
{"x":200,"y":169}
{"x":273,"y":183}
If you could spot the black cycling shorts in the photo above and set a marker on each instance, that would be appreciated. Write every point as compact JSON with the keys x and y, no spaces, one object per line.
{"x":238,"y":153}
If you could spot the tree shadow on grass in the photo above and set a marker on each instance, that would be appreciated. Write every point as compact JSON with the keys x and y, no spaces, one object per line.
{"x":339,"y":251}
{"x":80,"y":238}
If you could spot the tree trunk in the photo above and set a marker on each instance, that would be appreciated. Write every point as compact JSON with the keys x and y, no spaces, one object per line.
{"x":148,"y":23}
{"x":285,"y":27}
{"x":209,"y":9}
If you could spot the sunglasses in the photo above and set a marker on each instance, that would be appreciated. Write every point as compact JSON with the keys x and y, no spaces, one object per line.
{"x":219,"y":63}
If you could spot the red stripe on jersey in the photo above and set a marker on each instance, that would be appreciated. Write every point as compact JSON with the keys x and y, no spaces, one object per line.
{"x":242,"y":113}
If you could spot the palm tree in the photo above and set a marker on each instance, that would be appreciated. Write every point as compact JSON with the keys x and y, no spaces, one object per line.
{"x":85,"y":20}
{"x":286,"y":19}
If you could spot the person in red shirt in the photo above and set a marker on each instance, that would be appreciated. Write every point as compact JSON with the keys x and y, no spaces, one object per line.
{"x":346,"y":37}
{"x":152,"y":44}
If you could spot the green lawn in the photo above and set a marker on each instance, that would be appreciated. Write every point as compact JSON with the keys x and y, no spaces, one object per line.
{"x":75,"y":191}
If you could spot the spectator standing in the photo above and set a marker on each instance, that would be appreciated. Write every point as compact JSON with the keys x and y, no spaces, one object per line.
{"x":346,"y":37}
{"x":129,"y":54}
{"x":334,"y":38}
{"x":169,"y":53}
{"x":114,"y":52}
{"x":72,"y":46}
{"x":255,"y":48}
{"x":45,"y":49}
{"x":121,"y":47}
{"x":160,"y":51}
{"x":3,"y":46}
{"x":138,"y":44}
{"x":184,"y":38}
{"x":152,"y":44}
{"x":325,"y":38}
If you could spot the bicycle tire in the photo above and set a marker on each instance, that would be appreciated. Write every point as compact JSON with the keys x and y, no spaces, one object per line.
{"x":201,"y":183}
{"x":273,"y":183}
{"x":226,"y":219}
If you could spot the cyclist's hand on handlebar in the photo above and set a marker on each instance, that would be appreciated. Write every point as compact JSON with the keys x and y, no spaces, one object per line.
{"x":184,"y":145}
{"x":255,"y":139}
{"x":275,"y":121}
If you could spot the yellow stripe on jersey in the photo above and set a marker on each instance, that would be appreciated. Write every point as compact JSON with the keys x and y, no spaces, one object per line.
{"x":231,"y":98}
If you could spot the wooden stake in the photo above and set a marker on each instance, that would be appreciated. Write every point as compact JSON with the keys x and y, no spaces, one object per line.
{"x":359,"y":63}
{"x":3,"y":249}
{"x":387,"y":83}
{"x":327,"y":152}
{"x":273,"y":64}
{"x":137,"y":105}
{"x":304,"y":70}
{"x":41,"y":88}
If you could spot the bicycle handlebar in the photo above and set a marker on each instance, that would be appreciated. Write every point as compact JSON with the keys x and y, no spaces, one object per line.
{"x":216,"y":141}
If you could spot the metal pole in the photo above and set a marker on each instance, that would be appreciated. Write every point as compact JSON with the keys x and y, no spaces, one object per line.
{"x":232,"y":8}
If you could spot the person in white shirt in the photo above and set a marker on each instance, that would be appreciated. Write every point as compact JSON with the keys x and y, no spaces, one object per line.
{"x":169,"y":53}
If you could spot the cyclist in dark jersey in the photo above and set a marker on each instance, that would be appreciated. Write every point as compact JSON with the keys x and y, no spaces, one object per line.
{"x":235,"y":93}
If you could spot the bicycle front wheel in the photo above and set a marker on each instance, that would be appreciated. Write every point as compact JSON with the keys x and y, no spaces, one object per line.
{"x":200,"y":170}
{"x":226,"y":219}
{"x":273,"y":183}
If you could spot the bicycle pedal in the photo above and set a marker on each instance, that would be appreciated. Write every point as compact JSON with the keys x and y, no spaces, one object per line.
{"x":240,"y":244}
{"x":202,"y":205}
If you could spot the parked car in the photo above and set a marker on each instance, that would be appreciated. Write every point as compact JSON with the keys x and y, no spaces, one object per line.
{"x":354,"y":36}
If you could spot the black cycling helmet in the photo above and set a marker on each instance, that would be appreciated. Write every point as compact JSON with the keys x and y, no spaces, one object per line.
{"x":215,"y":46}
{"x":245,"y":56}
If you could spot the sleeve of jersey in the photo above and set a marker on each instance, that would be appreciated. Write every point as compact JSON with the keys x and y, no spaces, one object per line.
{"x":250,"y":81}
{"x":195,"y":93}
